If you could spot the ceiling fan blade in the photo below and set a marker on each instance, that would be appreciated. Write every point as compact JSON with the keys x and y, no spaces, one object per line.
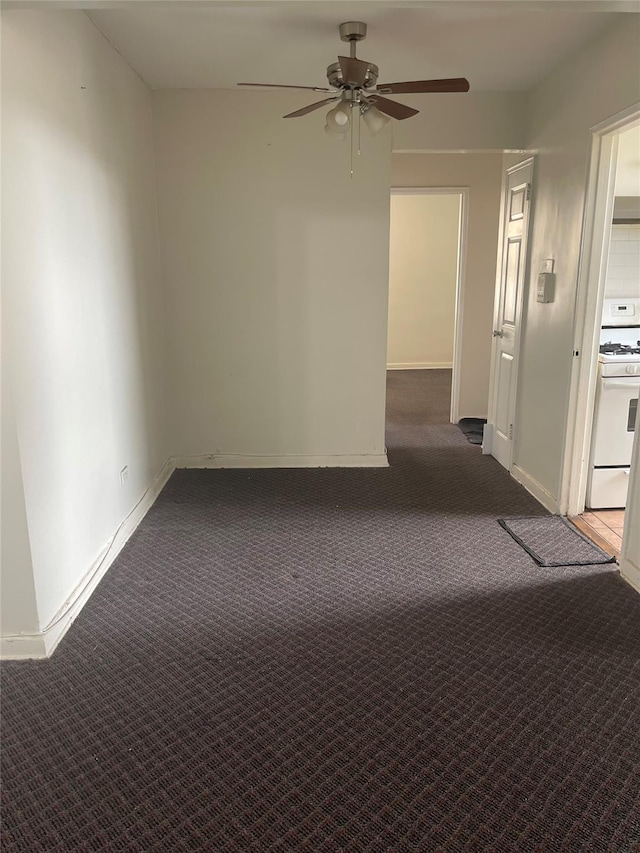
{"x":392,"y":108}
{"x":310,"y":108}
{"x":354,"y":71}
{"x":284,"y":86}
{"x":451,"y":84}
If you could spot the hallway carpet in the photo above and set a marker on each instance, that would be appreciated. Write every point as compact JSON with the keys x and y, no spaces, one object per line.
{"x":335,"y":660}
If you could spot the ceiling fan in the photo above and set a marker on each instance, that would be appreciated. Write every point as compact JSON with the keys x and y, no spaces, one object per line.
{"x":356,"y":81}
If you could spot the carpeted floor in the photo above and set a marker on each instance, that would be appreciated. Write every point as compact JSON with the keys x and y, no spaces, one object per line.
{"x":335,"y":660}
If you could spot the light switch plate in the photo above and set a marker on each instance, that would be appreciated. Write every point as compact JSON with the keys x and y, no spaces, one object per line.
{"x":548,"y":265}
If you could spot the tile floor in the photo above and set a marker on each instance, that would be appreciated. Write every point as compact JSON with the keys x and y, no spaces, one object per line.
{"x":604,"y":527}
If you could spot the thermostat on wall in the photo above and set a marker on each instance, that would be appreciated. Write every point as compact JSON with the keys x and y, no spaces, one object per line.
{"x":546,"y":287}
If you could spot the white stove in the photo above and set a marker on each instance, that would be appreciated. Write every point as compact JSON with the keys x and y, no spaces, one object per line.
{"x":621,"y":362}
{"x":616,"y":404}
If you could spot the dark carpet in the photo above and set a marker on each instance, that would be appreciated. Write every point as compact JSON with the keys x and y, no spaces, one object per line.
{"x":335,"y":660}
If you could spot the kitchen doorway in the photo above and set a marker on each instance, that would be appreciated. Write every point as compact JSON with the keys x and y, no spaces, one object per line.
{"x":426,"y":281}
{"x":600,"y":471}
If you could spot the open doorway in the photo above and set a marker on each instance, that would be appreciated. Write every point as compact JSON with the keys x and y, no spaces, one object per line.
{"x":426,"y":282}
{"x":600,"y":471}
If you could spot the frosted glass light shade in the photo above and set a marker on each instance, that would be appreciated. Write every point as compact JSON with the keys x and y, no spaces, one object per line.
{"x":339,"y":118}
{"x":375,"y":120}
{"x":336,"y":134}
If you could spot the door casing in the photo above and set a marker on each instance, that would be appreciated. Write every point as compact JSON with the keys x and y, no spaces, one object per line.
{"x":594,"y":251}
{"x":463,"y":227}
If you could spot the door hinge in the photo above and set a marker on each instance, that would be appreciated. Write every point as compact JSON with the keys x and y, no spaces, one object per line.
{"x":510,"y":432}
{"x":528,"y":197}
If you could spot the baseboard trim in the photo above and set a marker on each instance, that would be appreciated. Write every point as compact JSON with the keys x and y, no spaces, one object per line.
{"x":630,"y":573}
{"x":534,"y":488}
{"x":421,"y":365}
{"x":245,"y":460}
{"x":43,"y":643}
{"x":23,"y":647}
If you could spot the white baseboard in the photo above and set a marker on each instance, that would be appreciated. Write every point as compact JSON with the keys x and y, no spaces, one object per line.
{"x":23,"y":647}
{"x":534,"y":488}
{"x":421,"y":365}
{"x":630,"y":573}
{"x":243,"y":460}
{"x":43,"y":643}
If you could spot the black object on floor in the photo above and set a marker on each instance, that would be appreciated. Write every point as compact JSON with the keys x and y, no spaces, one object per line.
{"x":553,"y":541}
{"x":472,"y":429}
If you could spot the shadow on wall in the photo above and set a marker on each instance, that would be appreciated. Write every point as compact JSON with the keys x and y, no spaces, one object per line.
{"x":82,"y":289}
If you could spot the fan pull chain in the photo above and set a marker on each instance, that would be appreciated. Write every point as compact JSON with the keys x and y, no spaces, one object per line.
{"x":359,"y":117}
{"x":351,"y":143}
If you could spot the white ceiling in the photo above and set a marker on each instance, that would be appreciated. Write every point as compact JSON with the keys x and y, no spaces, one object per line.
{"x":497,"y":45}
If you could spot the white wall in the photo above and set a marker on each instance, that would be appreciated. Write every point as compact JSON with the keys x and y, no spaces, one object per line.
{"x":82,"y":306}
{"x":482,"y":173}
{"x":623,"y":265}
{"x":276,"y":272}
{"x":17,"y":591}
{"x":598,"y":82}
{"x":423,"y":264}
{"x":471,"y":121}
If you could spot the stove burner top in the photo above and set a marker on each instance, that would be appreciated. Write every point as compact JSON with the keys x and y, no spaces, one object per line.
{"x":619,"y":349}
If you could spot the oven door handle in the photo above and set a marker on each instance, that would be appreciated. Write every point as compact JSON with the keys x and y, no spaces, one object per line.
{"x":629,"y":384}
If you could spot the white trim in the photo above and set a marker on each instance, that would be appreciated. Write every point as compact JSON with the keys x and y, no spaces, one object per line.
{"x":461,"y":274}
{"x":43,"y":643}
{"x":23,"y":647}
{"x":247,"y":460}
{"x":629,"y":568}
{"x":588,"y":307}
{"x":421,"y":365}
{"x":461,"y":278}
{"x":630,"y":573}
{"x":534,"y":488}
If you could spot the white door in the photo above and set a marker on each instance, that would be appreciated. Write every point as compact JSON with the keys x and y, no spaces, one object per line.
{"x":508,"y":312}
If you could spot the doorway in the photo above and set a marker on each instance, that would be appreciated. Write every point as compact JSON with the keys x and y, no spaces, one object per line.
{"x":510,"y":291}
{"x":426,"y":282}
{"x":596,"y":298}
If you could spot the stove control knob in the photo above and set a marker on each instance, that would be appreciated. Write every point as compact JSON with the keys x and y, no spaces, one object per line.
{"x":633,"y":368}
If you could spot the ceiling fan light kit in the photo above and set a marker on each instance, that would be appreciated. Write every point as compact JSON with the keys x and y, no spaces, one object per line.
{"x":375,"y":120}
{"x":339,"y":117}
{"x":336,"y":134}
{"x":357,"y":84}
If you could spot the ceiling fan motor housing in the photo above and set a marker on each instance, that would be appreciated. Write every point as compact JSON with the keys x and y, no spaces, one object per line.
{"x":334,"y":76}
{"x":353,"y":31}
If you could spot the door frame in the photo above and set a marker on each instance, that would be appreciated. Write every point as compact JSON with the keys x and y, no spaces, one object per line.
{"x":461,"y":273}
{"x":520,"y":308}
{"x":594,"y":252}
